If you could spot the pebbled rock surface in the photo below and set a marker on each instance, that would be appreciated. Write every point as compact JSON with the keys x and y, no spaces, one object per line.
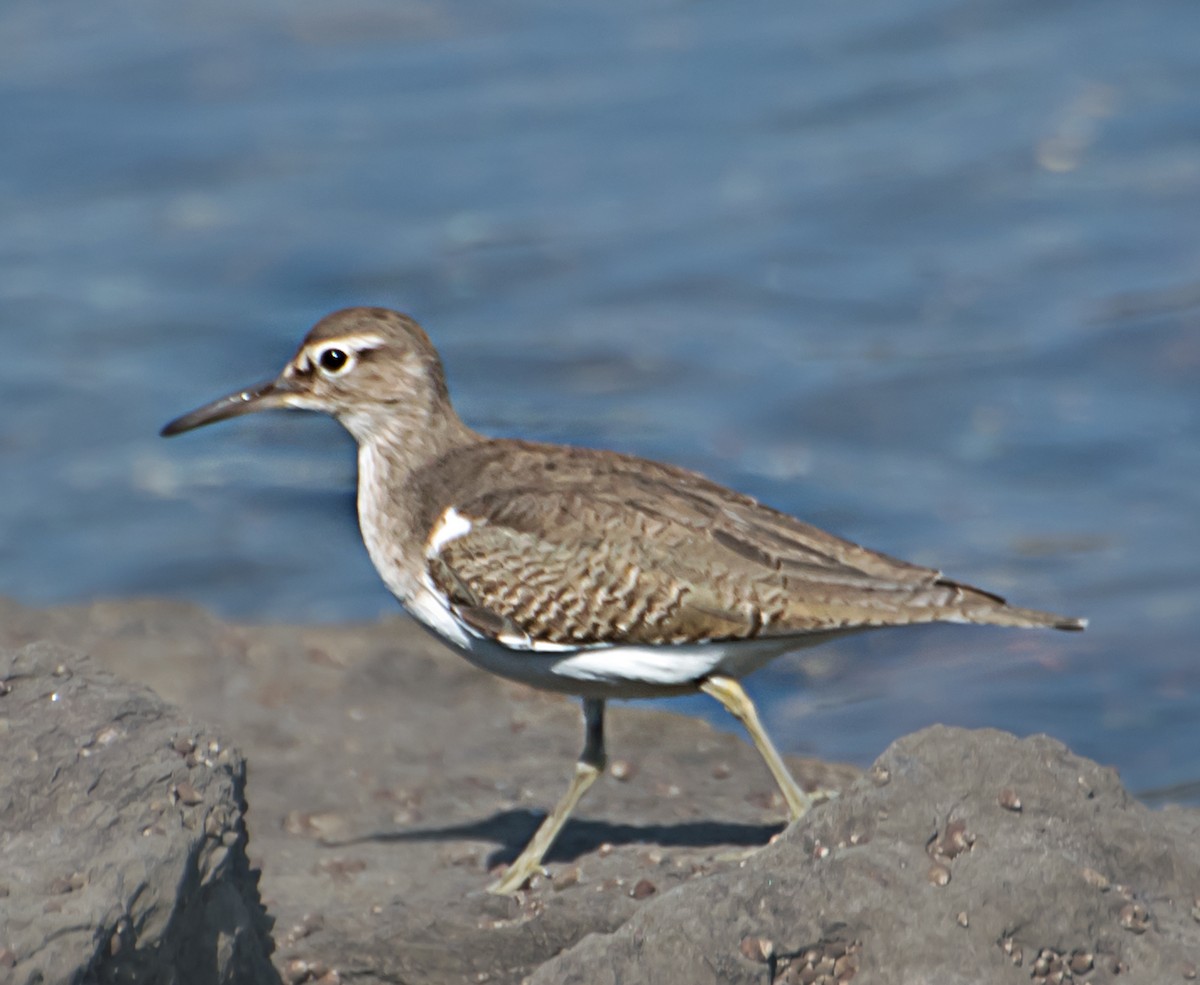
{"x":964,"y":857}
{"x":122,"y":849}
{"x":388,"y":777}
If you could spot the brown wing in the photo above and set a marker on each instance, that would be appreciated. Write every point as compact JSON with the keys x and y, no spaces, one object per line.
{"x":668,"y":557}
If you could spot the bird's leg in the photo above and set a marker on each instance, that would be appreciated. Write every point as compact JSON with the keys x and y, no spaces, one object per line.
{"x":587,"y":769}
{"x":737,"y":702}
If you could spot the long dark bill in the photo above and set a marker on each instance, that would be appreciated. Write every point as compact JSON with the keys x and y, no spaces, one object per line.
{"x":264,"y":396}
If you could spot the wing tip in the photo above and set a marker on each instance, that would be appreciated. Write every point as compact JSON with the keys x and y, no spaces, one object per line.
{"x":1010,"y":615}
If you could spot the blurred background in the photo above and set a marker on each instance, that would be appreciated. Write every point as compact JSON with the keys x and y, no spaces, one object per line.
{"x":925,"y":273}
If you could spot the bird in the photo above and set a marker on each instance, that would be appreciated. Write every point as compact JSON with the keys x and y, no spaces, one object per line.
{"x":586,"y":572}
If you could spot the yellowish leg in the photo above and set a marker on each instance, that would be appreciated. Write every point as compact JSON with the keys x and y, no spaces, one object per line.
{"x":737,"y":702}
{"x":590,"y":766}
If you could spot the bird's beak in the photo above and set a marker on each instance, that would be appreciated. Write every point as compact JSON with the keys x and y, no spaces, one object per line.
{"x":264,"y":396}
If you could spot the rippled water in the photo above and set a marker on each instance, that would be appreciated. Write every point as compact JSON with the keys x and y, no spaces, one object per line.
{"x":927,"y":274}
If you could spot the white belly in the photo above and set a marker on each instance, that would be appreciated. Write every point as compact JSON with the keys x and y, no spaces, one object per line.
{"x":603,"y":671}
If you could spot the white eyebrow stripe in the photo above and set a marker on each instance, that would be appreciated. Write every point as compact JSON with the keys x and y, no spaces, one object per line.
{"x":306,"y":361}
{"x":357,"y":343}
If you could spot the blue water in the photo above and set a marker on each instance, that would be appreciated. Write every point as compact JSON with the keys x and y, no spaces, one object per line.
{"x":924,"y":273}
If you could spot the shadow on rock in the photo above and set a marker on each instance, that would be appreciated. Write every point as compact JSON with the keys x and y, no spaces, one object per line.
{"x":512,"y":830}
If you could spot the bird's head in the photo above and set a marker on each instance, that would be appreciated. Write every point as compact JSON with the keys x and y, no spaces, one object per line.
{"x":373,"y":369}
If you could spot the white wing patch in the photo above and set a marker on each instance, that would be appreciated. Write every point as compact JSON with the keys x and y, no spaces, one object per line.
{"x":450,"y":526}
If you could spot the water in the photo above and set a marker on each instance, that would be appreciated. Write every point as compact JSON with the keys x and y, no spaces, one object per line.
{"x":924,"y":273}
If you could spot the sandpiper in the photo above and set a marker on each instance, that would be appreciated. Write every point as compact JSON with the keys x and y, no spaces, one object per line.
{"x":586,"y":572}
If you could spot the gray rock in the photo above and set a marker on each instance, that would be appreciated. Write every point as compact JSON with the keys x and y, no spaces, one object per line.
{"x":388,"y":776}
{"x":122,"y":847}
{"x":964,"y":857}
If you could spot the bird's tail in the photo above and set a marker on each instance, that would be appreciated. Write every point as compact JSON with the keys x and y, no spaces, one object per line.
{"x":984,"y":608}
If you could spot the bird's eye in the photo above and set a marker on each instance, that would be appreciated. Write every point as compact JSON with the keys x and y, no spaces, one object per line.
{"x":333,"y":360}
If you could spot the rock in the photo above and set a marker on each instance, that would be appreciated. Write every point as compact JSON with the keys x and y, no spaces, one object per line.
{"x":1083,"y":884}
{"x":122,"y":847}
{"x":388,"y":776}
